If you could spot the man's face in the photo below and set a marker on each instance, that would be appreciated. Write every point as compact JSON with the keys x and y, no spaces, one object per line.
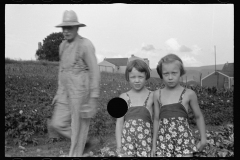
{"x":70,"y":32}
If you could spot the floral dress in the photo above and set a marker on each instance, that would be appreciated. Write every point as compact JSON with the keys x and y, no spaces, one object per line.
{"x":136,"y":137}
{"x":175,"y":138}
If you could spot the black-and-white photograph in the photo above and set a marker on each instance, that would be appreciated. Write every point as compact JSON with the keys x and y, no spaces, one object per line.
{"x":119,"y":80}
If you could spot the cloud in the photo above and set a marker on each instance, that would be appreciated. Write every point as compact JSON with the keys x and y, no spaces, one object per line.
{"x":183,"y":48}
{"x":154,"y":54}
{"x":172,"y":44}
{"x":196,"y":49}
{"x":147,"y":47}
{"x":150,"y":52}
{"x":145,"y":51}
{"x":190,"y":61}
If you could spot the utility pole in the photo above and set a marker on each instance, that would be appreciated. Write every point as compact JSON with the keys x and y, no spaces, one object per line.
{"x":215,"y":66}
{"x":201,"y":79}
{"x":186,"y":80}
{"x":215,"y":57}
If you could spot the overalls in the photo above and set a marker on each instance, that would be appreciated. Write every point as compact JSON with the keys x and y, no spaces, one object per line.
{"x":74,"y":88}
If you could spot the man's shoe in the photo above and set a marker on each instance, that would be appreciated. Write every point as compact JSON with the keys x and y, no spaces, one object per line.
{"x":90,"y":145}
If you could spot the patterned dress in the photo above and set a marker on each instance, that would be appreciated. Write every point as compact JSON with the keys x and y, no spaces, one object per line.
{"x":137,"y":131}
{"x":175,"y":138}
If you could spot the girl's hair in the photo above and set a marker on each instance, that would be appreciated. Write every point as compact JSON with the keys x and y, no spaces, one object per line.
{"x":168,"y":59}
{"x":140,"y":65}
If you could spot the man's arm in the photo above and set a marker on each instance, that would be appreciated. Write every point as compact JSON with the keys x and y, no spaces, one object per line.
{"x":91,"y":61}
{"x":59,"y":69}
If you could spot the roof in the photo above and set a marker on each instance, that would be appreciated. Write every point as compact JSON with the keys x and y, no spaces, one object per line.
{"x":229,"y":67}
{"x":224,"y":73}
{"x":117,"y":61}
{"x":228,"y":73}
{"x":143,"y":59}
{"x":133,"y":57}
{"x":106,"y":63}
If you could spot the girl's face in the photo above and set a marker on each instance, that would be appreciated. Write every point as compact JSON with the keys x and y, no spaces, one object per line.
{"x":171,"y":73}
{"x":137,"y":79}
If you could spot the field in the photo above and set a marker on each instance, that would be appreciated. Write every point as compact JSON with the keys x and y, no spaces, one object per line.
{"x":31,"y":86}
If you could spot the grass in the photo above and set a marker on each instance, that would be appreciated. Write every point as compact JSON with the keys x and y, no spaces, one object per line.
{"x":40,"y":62}
{"x":55,"y":149}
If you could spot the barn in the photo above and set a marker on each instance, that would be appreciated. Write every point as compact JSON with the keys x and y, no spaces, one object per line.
{"x":220,"y":78}
{"x":117,"y":65}
{"x":106,"y":66}
{"x":114,"y":65}
{"x":133,"y":57}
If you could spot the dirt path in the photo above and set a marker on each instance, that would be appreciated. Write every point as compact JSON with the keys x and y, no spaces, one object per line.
{"x":54,"y":149}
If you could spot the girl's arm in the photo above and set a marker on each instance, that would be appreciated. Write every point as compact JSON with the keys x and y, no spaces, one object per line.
{"x":155,"y":120}
{"x":199,"y":119}
{"x":119,"y":126}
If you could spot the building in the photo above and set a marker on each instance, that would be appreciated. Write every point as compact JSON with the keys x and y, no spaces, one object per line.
{"x":118,"y":65}
{"x":106,"y":66}
{"x":114,"y":65}
{"x":135,"y":57}
{"x":39,"y":45}
{"x":220,"y":78}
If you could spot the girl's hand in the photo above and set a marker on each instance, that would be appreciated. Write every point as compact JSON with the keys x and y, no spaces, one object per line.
{"x":201,"y":144}
{"x":120,"y":152}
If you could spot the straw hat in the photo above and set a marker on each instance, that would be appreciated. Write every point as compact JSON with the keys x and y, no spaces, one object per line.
{"x":70,"y":19}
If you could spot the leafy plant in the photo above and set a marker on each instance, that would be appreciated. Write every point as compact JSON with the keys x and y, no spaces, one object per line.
{"x":30,"y":88}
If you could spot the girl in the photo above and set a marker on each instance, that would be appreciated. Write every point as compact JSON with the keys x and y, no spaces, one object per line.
{"x":133,"y":131}
{"x":172,"y":136}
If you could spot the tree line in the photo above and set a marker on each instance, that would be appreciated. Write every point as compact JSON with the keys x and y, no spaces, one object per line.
{"x":50,"y":49}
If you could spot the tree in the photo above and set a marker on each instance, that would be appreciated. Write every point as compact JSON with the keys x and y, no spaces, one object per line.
{"x":50,"y":49}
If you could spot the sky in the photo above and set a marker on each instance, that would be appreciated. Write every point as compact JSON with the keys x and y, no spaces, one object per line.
{"x":119,"y":30}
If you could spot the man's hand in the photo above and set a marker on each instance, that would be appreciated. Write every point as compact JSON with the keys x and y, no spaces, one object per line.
{"x":93,"y":102}
{"x":54,"y":100}
{"x":93,"y":105}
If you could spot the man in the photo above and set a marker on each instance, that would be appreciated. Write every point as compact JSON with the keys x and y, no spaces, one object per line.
{"x":78,"y":85}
